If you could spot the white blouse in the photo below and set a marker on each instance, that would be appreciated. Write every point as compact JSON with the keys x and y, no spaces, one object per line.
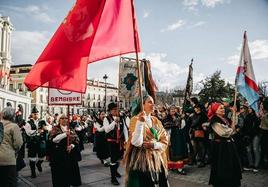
{"x":223,"y":130}
{"x":137,"y":135}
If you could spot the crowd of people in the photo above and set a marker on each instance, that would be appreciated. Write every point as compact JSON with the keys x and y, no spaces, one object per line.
{"x":229,"y":136}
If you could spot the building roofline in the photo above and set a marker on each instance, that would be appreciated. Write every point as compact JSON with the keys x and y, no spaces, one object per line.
{"x":21,"y":65}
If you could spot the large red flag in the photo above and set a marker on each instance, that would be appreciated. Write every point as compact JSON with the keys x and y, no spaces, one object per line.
{"x":93,"y":30}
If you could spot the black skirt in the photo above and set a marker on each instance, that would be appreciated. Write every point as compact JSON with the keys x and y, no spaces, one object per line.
{"x":225,"y":164}
{"x":102,"y":147}
{"x":178,"y":149}
{"x":147,"y":179}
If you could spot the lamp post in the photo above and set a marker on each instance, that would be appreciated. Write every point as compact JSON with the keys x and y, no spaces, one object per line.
{"x":105,"y":77}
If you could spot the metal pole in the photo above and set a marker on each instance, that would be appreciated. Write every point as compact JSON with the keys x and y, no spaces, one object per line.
{"x":105,"y":91}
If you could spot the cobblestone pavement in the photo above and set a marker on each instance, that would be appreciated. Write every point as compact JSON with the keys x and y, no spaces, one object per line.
{"x":94,"y":174}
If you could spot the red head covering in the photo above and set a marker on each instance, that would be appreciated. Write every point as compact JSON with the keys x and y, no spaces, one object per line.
{"x":75,"y":117}
{"x":213,"y":108}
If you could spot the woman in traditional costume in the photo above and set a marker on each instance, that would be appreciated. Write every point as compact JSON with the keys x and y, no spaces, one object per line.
{"x":102,"y":147}
{"x":145,"y":158}
{"x":177,"y":150}
{"x":225,"y":164}
{"x":64,"y":158}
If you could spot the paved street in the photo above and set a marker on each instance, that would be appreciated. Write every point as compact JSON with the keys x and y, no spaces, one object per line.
{"x":96,"y":175}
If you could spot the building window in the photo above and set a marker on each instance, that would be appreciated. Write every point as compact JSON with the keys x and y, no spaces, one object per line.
{"x":11,"y":87}
{"x":41,"y":98}
{"x":99,"y":105}
{"x":111,"y":99}
{"x":93,"y":104}
{"x":24,"y":70}
{"x":115,"y":99}
{"x":20,"y":86}
{"x":93,"y":96}
{"x":98,"y":97}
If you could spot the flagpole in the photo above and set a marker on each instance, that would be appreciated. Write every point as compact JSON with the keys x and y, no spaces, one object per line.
{"x":68,"y":125}
{"x":118,"y":99}
{"x":235,"y":94}
{"x":137,"y":56}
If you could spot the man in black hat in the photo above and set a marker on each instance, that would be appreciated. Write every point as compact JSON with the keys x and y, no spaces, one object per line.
{"x":114,"y":127}
{"x":34,"y":132}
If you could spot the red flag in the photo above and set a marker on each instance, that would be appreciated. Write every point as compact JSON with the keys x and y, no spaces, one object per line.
{"x":115,"y":34}
{"x":93,"y":30}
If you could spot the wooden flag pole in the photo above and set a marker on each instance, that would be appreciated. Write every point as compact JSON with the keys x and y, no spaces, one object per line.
{"x":118,"y":93}
{"x":137,"y":56}
{"x":118,"y":105}
{"x":68,"y":125}
{"x":235,"y":94}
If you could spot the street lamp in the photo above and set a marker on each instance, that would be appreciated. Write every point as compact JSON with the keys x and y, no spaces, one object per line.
{"x":105,"y":77}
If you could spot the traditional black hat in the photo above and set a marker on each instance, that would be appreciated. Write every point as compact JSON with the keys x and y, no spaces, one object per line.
{"x":34,"y":110}
{"x":112,"y":106}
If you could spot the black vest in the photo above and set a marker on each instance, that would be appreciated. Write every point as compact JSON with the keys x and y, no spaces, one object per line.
{"x":31,"y":122}
{"x":112,"y":134}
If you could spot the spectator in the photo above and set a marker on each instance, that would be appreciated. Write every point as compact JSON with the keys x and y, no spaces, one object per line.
{"x":12,"y":141}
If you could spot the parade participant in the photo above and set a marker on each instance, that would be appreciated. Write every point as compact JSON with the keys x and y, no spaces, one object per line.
{"x":198,"y":134}
{"x":188,"y":111}
{"x":251,"y":138}
{"x":238,"y":118}
{"x":227,"y":108}
{"x":55,"y":118}
{"x":76,"y":125}
{"x":33,"y":142}
{"x":264,"y":132}
{"x":63,"y":158}
{"x":145,"y":158}
{"x":102,"y":147}
{"x":49,"y":123}
{"x":225,"y":164}
{"x":177,"y":150}
{"x":114,"y":127}
{"x":85,"y":124}
{"x":19,"y":115}
{"x":21,"y":153}
{"x":11,"y":143}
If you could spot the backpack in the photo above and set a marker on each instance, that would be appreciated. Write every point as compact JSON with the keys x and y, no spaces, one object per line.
{"x":1,"y":132}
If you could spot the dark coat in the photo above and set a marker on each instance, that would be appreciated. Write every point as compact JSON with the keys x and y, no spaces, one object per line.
{"x":64,"y":165}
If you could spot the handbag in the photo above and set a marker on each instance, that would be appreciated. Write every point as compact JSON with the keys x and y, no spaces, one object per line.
{"x":199,"y":134}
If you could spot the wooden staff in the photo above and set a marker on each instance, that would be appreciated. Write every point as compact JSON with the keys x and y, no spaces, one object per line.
{"x":68,"y":125}
{"x":137,"y":56}
{"x":235,"y":94}
{"x":118,"y":106}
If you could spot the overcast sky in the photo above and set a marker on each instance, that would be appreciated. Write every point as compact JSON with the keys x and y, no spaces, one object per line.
{"x":171,"y":33}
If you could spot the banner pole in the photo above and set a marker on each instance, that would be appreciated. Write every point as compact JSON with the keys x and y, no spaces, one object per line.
{"x":68,"y":125}
{"x":137,"y":56}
